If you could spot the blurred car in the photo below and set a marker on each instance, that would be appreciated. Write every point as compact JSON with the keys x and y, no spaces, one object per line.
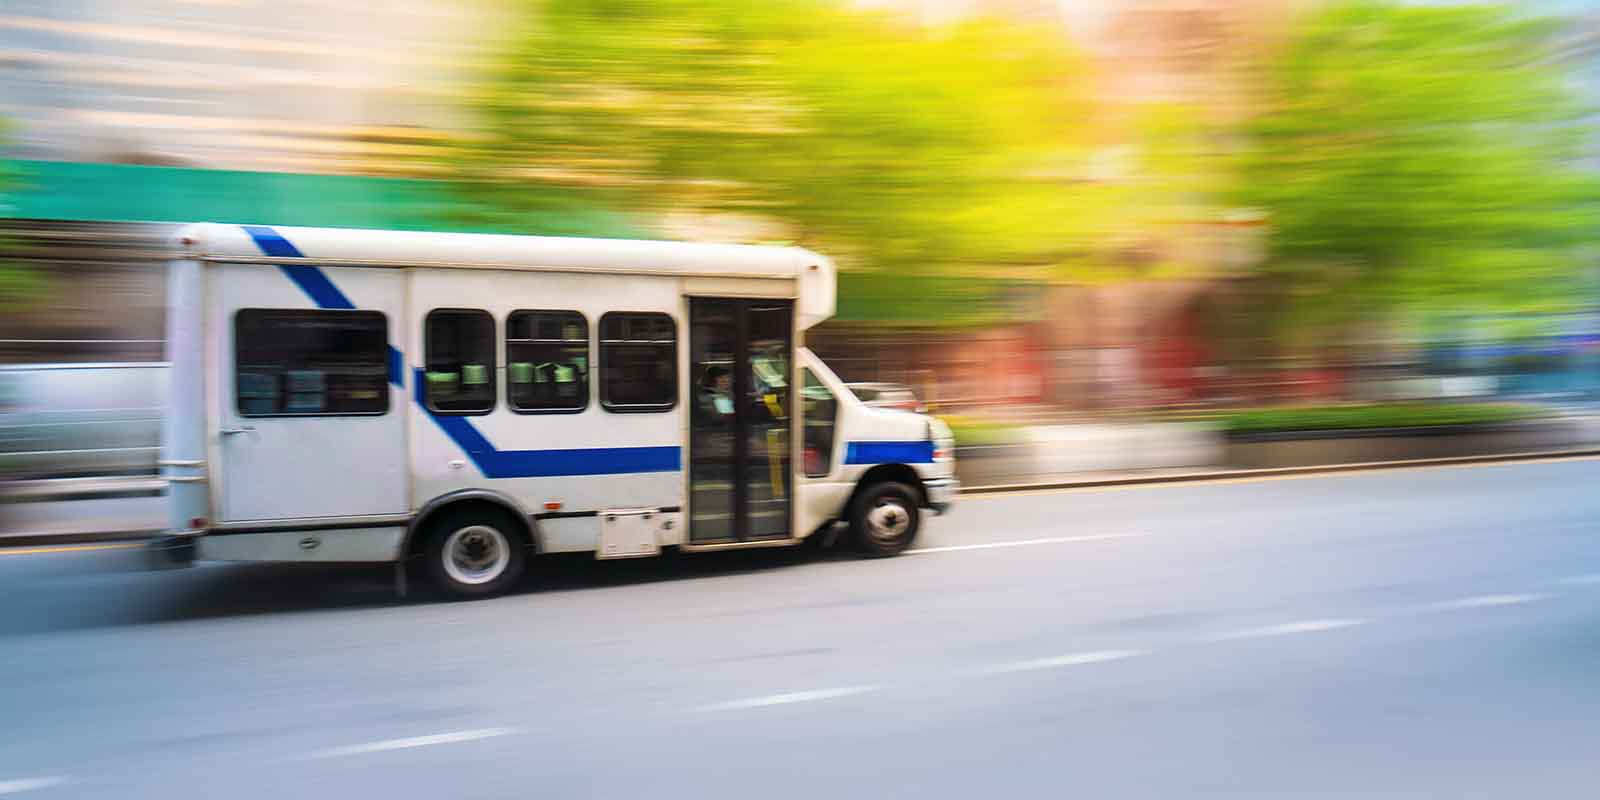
{"x":887,"y":395}
{"x":80,"y":420}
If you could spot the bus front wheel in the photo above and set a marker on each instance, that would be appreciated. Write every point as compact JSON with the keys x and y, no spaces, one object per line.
{"x":884,"y":519}
{"x":475,"y":553}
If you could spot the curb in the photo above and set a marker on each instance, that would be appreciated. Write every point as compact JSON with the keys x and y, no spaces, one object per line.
{"x":1285,"y":472}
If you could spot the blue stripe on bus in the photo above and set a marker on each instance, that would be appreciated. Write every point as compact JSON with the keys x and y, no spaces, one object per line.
{"x":888,"y":453}
{"x":311,"y":280}
{"x":491,"y":461}
{"x":397,"y":367}
{"x":496,"y":463}
{"x":315,"y":284}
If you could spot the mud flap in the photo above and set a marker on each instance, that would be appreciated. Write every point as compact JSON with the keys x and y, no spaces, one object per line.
{"x":170,"y":552}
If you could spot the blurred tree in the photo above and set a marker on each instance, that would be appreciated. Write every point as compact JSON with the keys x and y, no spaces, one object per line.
{"x":892,"y":146}
{"x":1413,"y":157}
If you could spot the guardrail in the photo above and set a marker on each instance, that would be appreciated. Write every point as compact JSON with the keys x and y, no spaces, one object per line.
{"x":96,"y":488}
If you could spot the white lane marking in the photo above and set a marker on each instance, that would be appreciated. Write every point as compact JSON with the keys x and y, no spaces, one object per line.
{"x":1290,"y":628}
{"x":1485,"y":601}
{"x":1070,"y":660}
{"x":790,"y":697}
{"x":29,"y":784}
{"x":452,"y":737}
{"x":1590,"y":579}
{"x":1025,"y":543}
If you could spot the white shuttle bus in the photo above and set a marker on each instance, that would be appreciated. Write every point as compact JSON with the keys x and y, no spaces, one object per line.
{"x":459,"y":403}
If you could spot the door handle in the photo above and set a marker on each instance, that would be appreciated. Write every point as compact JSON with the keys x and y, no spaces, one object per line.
{"x":236,"y":431}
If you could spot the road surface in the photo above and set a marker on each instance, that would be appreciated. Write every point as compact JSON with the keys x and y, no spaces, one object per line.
{"x":1416,"y":633}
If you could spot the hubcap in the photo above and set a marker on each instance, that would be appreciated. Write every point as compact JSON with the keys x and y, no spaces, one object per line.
{"x":889,"y":519}
{"x":476,"y":554}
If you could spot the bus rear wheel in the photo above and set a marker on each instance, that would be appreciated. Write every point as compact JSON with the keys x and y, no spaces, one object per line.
{"x":884,"y":519}
{"x":475,"y":553}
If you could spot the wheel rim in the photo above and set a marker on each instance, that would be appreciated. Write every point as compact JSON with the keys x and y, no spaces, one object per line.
{"x":889,"y":519}
{"x":476,"y":554}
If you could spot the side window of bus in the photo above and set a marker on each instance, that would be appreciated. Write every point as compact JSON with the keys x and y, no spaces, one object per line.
{"x":295,"y":363}
{"x":821,"y":410}
{"x":459,"y":365}
{"x":547,"y":361}
{"x":638,"y":362}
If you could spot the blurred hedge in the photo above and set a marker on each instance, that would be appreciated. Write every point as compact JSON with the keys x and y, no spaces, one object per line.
{"x":1370,"y":417}
{"x":973,"y":432}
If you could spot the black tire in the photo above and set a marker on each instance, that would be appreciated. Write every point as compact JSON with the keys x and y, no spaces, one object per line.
{"x":884,"y":519}
{"x":489,"y":547}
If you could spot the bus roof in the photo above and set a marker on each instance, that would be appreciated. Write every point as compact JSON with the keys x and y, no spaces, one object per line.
{"x":813,"y":273}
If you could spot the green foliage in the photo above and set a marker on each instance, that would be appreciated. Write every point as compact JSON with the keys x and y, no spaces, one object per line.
{"x":876,"y":141}
{"x":916,"y":297}
{"x":1367,"y":417}
{"x":18,"y":284}
{"x":972,"y":431}
{"x":1418,"y":156}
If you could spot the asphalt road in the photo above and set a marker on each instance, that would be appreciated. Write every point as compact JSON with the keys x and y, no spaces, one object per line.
{"x":1408,"y":634}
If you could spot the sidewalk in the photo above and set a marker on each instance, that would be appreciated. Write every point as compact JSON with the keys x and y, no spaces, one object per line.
{"x":1053,"y":450}
{"x":1051,"y":453}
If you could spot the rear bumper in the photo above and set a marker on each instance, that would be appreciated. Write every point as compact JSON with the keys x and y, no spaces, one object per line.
{"x":942,"y":493}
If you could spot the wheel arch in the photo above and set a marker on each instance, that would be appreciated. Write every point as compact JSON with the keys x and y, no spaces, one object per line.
{"x":414,"y":540}
{"x":886,"y":473}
